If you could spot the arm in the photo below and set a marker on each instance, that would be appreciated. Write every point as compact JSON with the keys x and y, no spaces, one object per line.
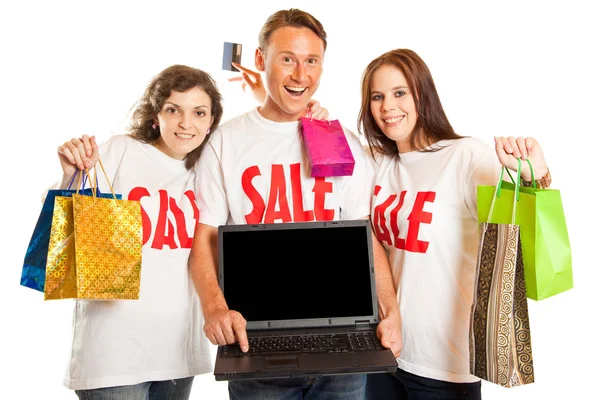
{"x":389,"y":330}
{"x":221,"y":325}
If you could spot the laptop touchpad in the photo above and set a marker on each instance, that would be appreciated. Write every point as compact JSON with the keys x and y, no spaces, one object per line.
{"x":281,"y":362}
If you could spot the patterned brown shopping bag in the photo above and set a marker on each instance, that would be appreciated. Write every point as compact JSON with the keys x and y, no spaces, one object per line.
{"x":500,"y":341}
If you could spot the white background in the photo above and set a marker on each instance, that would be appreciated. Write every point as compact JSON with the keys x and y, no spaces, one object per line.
{"x":527,"y":68}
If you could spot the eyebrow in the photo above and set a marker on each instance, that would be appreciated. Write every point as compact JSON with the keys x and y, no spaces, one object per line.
{"x":293,"y":54}
{"x":394,"y":88}
{"x":178,"y":106}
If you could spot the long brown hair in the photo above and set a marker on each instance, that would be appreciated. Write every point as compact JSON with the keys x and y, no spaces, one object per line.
{"x":178,"y":78}
{"x":294,"y":18}
{"x":432,"y":124}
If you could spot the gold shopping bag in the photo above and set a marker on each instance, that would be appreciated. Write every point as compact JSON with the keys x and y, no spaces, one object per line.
{"x":500,"y":340}
{"x":60,"y":263}
{"x":97,"y":253}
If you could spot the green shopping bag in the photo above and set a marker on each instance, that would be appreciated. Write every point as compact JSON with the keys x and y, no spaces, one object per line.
{"x":544,"y":235}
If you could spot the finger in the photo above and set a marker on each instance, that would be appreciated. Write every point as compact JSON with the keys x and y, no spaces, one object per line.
{"x":522,"y":147}
{"x":244,"y":69}
{"x":215,"y":330}
{"x":227,"y":331}
{"x":235,"y":79}
{"x":318,"y":114}
{"x":76,"y":154}
{"x":383,"y":337}
{"x":239,"y":326}
{"x":63,"y":150}
{"x":78,"y":149}
{"x":322,"y":113}
{"x":501,"y":147}
{"x":314,"y":104}
{"x":78,"y":143}
{"x":514,"y":147}
{"x":396,"y":349}
{"x":248,"y":80}
{"x":211,"y":338}
{"x":87,"y":146}
{"x":530,"y":143}
{"x":95,"y":150}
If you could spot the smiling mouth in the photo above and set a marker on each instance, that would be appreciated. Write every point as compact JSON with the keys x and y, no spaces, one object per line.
{"x":393,"y":121}
{"x":295,"y":91}
{"x":186,"y":136}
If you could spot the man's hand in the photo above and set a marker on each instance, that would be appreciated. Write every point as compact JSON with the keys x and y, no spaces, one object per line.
{"x":389,"y":332}
{"x":226,"y":327}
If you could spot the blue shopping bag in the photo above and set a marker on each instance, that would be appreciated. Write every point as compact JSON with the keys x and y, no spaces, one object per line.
{"x":33,"y":274}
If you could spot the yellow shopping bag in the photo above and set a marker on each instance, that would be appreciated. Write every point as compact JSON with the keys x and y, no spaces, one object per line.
{"x":95,"y":249}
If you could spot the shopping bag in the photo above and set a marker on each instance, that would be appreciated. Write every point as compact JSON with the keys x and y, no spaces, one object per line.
{"x":544,"y":235}
{"x":95,"y":249}
{"x":33,"y":273}
{"x":500,"y":340}
{"x":327,"y":148}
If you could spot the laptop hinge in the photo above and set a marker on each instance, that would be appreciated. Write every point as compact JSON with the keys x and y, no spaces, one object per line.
{"x":362,"y":324}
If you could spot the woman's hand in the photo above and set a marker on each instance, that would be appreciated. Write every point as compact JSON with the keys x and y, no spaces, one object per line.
{"x":316,"y":111}
{"x":78,"y":153}
{"x":510,"y":148}
{"x":253,"y":80}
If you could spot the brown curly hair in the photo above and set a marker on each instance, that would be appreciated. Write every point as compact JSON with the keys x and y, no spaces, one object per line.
{"x":178,"y":78}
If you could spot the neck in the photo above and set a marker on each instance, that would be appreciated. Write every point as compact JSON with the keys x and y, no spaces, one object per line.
{"x":422,"y":142}
{"x":271,"y":111}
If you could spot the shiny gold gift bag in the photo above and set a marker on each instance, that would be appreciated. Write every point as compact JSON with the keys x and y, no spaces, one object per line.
{"x":97,"y":253}
{"x":60,"y":264}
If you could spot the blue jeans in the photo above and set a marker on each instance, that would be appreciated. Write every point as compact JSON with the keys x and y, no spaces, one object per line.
{"x":407,"y":386}
{"x":342,"y":387}
{"x":176,"y":389}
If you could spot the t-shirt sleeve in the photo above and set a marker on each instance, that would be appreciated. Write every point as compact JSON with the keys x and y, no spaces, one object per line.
{"x":209,"y":185}
{"x":357,"y":189}
{"x":483,"y":168}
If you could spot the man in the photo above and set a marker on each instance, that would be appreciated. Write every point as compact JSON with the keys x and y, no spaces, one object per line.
{"x":254,"y":170}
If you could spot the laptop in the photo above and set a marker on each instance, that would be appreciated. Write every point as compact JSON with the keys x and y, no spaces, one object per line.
{"x":307,"y":291}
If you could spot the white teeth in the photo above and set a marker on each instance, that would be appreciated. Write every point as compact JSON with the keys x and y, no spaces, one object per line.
{"x":393,"y":120}
{"x":295,"y":88}
{"x":184,"y":135}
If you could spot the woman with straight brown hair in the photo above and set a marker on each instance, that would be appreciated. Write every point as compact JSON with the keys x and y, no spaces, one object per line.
{"x":424,"y":212}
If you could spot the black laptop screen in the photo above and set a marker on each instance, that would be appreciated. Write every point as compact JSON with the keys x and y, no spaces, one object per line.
{"x":284,"y":274}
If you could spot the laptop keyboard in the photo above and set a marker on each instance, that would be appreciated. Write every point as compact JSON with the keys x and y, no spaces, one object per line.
{"x":302,"y":344}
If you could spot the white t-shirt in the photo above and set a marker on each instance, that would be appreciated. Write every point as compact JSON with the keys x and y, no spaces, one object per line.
{"x":425,"y":214}
{"x":159,"y":336}
{"x":254,"y":170}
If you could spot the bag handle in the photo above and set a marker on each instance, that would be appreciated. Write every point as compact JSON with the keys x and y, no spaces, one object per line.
{"x":79,"y":183}
{"x":498,"y":188}
{"x":532,"y":175}
{"x":95,"y":187}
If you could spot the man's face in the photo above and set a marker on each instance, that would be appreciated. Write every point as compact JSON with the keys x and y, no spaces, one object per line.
{"x":293,"y":64}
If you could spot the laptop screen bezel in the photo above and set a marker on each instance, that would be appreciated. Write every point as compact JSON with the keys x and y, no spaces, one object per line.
{"x":313,"y":322}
